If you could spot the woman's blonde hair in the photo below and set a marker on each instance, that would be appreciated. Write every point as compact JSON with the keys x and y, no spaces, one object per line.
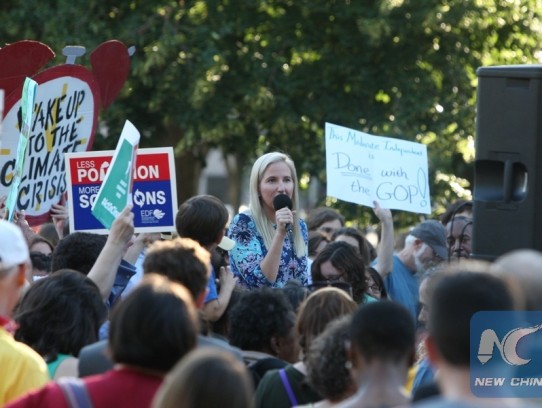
{"x":264,"y":225}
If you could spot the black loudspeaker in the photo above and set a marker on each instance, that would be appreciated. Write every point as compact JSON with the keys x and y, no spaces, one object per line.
{"x":508,"y":166}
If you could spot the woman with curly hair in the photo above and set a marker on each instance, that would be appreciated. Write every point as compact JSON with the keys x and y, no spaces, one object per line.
{"x":327,"y":364}
{"x":261,"y":324}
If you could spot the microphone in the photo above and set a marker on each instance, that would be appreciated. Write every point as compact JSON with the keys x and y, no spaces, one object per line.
{"x":281,"y":201}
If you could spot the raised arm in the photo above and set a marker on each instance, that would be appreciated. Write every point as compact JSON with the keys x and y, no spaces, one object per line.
{"x":141,"y":242}
{"x":384,"y":263}
{"x":248,"y":253}
{"x":105,"y":268}
{"x":271,"y":262}
{"x":214,"y":309}
{"x":20,"y":220}
{"x":60,"y":215}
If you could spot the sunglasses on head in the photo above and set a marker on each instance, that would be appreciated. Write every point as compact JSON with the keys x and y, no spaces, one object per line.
{"x":333,"y":284}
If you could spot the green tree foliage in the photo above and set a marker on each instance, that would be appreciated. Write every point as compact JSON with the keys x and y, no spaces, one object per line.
{"x":250,"y":76}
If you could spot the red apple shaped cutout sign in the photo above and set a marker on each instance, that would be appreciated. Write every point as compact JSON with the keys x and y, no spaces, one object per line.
{"x":64,"y":120}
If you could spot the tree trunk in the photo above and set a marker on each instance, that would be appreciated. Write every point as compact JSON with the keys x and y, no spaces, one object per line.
{"x":234,"y":164}
{"x":188,"y":165}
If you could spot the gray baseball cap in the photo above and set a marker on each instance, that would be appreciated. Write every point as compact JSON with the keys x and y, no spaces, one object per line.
{"x":433,"y":234}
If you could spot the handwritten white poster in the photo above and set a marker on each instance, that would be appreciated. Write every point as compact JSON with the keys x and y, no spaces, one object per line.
{"x":362,"y":168}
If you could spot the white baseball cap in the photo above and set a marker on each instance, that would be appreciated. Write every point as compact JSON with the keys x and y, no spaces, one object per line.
{"x":13,"y":247}
{"x":227,"y":244}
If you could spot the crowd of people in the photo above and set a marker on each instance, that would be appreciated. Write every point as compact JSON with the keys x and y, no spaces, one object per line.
{"x":265,"y":310}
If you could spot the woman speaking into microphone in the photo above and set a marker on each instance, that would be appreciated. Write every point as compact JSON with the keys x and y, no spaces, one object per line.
{"x":271,"y":240}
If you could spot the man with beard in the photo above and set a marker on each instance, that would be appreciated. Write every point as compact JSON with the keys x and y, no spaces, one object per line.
{"x":425,"y":247}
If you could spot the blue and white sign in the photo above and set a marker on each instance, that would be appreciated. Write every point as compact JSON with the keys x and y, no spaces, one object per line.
{"x":154,"y":192}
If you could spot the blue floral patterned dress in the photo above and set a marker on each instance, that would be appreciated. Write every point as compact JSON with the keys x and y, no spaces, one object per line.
{"x":250,"y":250}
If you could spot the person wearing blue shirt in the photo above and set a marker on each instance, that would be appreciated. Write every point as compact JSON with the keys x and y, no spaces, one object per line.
{"x":425,"y":247}
{"x":203,"y":218}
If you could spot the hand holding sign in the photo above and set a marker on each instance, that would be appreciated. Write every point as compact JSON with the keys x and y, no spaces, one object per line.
{"x":122,"y":229}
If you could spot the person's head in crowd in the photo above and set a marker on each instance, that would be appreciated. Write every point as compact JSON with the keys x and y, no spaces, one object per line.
{"x":40,"y":244}
{"x":459,"y":207}
{"x":327,"y":361}
{"x":60,"y":314}
{"x":425,"y":246}
{"x":78,"y":251}
{"x":317,"y":311}
{"x":317,"y":242}
{"x":382,"y":331}
{"x":182,"y":260}
{"x":263,"y":189}
{"x":458,"y":222}
{"x":460,"y":291}
{"x":206,"y":378}
{"x":295,"y":292}
{"x":48,"y":231}
{"x":154,"y":325}
{"x":382,"y":349}
{"x":522,"y":269}
{"x":324,"y":219}
{"x":459,"y":237}
{"x":14,"y":266}
{"x":340,"y":262}
{"x":41,"y":266}
{"x":354,"y":237}
{"x":375,"y":284}
{"x":263,"y":320}
{"x":202,"y":218}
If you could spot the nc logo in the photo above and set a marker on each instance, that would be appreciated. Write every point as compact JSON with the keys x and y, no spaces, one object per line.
{"x":508,"y":346}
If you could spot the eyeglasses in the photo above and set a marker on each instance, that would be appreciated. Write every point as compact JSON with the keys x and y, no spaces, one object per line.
{"x":371,"y":284}
{"x":334,"y":284}
{"x":334,"y":279}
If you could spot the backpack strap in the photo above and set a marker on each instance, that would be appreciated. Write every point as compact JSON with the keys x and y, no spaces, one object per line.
{"x":287,"y":387}
{"x":75,"y":392}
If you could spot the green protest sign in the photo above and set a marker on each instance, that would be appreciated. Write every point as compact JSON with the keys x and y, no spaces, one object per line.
{"x":115,"y":192}
{"x":27,"y":109}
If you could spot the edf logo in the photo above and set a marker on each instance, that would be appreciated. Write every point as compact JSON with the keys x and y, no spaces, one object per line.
{"x":507,"y":347}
